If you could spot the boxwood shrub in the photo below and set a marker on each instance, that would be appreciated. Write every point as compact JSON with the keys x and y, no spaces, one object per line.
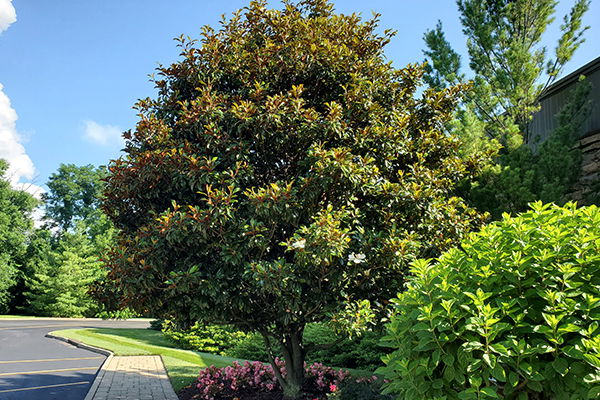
{"x":511,"y":314}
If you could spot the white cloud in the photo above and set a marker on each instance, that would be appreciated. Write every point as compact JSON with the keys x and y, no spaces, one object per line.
{"x":34,"y":190}
{"x":11,"y":149}
{"x":104,"y":135}
{"x":8,"y":15}
{"x":19,"y":164}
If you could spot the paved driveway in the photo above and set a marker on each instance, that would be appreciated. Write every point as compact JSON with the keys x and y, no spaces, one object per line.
{"x":35,"y":367}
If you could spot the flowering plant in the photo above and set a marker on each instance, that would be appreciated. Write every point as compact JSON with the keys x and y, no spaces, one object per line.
{"x":214,"y":383}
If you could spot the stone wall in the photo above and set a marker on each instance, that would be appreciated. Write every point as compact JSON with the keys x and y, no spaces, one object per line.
{"x":590,"y":170}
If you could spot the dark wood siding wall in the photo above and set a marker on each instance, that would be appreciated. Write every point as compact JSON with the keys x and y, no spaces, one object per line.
{"x":544,"y":121}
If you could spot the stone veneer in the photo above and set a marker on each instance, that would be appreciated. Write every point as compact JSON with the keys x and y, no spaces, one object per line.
{"x":590,"y":169}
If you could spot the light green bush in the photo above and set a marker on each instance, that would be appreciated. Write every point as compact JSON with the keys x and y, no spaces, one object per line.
{"x":206,"y":338}
{"x":124,"y":313}
{"x":511,"y":314}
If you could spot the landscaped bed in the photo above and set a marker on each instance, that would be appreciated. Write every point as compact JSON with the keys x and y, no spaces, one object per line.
{"x":184,"y":366}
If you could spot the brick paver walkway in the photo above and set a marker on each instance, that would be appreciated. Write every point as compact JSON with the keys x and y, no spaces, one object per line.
{"x":132,"y":378}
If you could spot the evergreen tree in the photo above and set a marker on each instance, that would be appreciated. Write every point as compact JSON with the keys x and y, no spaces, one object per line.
{"x":62,"y":277}
{"x":511,"y":69}
{"x":63,"y":257}
{"x":510,"y":62}
{"x":443,"y":63}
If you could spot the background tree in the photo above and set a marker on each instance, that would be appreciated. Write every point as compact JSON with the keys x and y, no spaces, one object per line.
{"x":63,"y":258}
{"x":62,"y":276}
{"x":509,"y":61}
{"x":15,"y":225}
{"x":73,"y":195}
{"x":285,"y":174}
{"x":521,"y":176}
{"x":510,"y":64}
{"x":443,"y":67}
{"x":511,"y":69}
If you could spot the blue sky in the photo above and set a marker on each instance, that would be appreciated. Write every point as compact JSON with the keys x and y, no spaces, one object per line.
{"x":71,"y":70}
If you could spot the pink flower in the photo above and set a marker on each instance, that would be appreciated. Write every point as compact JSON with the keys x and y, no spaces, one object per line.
{"x":332,"y":388}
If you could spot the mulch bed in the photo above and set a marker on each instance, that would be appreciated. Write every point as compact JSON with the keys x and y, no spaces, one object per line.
{"x":191,"y":393}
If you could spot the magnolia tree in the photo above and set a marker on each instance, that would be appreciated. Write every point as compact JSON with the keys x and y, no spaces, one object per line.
{"x":285,"y":174}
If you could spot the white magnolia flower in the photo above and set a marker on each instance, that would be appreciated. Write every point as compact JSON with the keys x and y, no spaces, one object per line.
{"x":299,"y":244}
{"x":356,"y":258}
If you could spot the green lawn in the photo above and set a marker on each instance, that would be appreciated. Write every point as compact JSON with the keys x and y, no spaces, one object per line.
{"x":182,"y":365}
{"x":17,"y":317}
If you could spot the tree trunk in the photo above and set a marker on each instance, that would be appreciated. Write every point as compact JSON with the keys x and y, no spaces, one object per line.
{"x":293,"y":355}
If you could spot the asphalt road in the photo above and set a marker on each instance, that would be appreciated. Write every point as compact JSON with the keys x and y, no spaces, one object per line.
{"x":33,"y":367}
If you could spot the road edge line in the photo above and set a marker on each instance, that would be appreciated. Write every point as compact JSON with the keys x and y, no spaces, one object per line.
{"x":109,"y":355}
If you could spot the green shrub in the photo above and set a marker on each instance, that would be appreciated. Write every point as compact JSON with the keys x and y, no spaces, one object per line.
{"x":157,"y":324}
{"x":511,"y":314}
{"x":124,"y":313}
{"x":206,"y":338}
{"x":359,"y":390}
{"x":252,"y":348}
{"x":359,"y":353}
{"x":363,"y":352}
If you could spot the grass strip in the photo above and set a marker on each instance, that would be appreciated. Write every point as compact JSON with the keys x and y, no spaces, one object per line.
{"x":182,"y":365}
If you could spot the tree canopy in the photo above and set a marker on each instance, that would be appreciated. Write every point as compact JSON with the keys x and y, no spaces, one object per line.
{"x":286,"y":173}
{"x":73,"y":195}
{"x":64,"y":256}
{"x":15,"y":224}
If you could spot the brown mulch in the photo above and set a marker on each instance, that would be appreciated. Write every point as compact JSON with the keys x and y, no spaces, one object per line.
{"x":191,"y":393}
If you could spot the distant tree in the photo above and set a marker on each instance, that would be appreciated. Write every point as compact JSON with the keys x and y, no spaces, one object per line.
{"x":63,"y":262}
{"x":511,"y":69}
{"x":506,"y":55}
{"x":61,"y":277}
{"x":285,"y":174}
{"x":15,"y":225}
{"x":443,"y":67}
{"x":73,"y":195}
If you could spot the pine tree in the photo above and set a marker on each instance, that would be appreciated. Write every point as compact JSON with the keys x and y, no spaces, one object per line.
{"x":63,"y":260}
{"x":61,"y":278}
{"x":511,"y":69}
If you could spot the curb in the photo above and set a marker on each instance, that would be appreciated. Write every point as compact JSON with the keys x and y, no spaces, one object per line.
{"x":26,"y":318}
{"x":92,"y":392}
{"x":109,"y":355}
{"x":77,"y":343}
